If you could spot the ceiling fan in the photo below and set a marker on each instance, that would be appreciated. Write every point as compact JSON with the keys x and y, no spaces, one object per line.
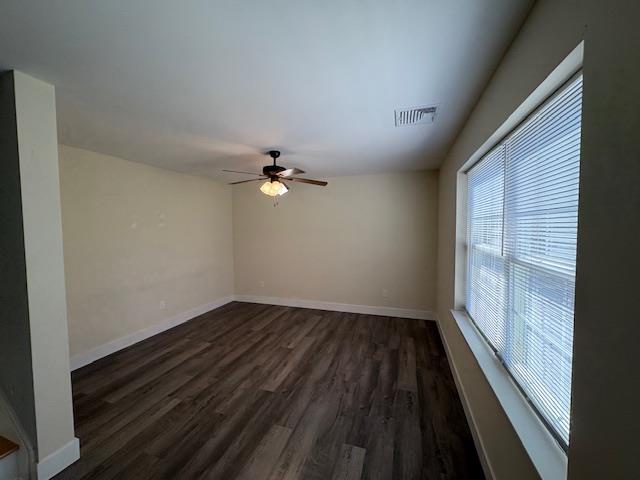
{"x":276,"y":177}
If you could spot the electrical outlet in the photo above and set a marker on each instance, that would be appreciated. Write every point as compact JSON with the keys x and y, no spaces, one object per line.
{"x":261,"y":283}
{"x":385,"y":293}
{"x":163,"y":305}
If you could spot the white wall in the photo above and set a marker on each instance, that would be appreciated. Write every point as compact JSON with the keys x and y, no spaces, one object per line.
{"x":34,"y":348}
{"x":37,"y":144}
{"x":15,"y":340}
{"x":344,"y":243}
{"x":603,"y":441}
{"x":136,"y":236}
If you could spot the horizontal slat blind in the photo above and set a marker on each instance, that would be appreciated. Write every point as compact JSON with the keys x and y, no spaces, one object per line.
{"x":486,"y":285}
{"x":520,"y":289}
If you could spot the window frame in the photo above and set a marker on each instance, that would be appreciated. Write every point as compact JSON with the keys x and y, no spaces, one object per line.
{"x":501,"y":143}
{"x":545,"y":453}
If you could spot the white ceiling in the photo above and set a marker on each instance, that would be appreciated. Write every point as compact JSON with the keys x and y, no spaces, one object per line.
{"x":201,"y":85}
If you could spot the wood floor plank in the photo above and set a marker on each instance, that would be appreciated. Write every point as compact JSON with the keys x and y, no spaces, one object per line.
{"x":219,"y":440}
{"x":349,"y":466}
{"x":264,"y":458}
{"x":379,"y":444}
{"x":153,"y":373}
{"x":264,"y":320}
{"x":325,"y":454}
{"x":407,"y":454}
{"x":303,"y":331}
{"x":117,"y":417}
{"x":96,"y":459}
{"x":288,"y":364}
{"x":407,"y":377}
{"x":292,"y":461}
{"x":132,"y":364}
{"x":244,"y":443}
{"x":179,"y":434}
{"x":261,"y":392}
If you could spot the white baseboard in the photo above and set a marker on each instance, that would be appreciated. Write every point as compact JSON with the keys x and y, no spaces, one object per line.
{"x":82,"y":359}
{"x":340,"y":307}
{"x":54,"y":463}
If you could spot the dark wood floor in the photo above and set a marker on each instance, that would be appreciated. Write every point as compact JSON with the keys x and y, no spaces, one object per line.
{"x":263,"y":392}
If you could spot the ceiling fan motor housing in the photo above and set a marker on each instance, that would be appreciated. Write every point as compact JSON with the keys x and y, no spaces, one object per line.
{"x":270,"y":170}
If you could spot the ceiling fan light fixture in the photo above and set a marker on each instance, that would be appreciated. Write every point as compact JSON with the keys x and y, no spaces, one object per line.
{"x":273,"y":188}
{"x":276,"y":175}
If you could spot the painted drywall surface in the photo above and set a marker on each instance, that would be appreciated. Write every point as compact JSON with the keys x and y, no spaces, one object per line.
{"x":141,"y":244}
{"x":606,"y":376}
{"x":40,"y":189}
{"x":604,"y":428}
{"x":199,"y":86}
{"x":16,"y":375}
{"x":364,"y":240}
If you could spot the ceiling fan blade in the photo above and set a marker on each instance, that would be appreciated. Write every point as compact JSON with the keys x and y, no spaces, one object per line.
{"x":290,"y":171}
{"x":245,"y":181}
{"x":248,"y":173}
{"x":307,"y":180}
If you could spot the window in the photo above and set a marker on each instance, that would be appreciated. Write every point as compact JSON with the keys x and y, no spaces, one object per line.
{"x":522,"y":217}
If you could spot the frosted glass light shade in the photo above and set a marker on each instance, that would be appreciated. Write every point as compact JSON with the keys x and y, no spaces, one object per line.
{"x":273,"y":188}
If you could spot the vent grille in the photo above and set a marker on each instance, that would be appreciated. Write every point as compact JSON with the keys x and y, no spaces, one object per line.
{"x":415,"y":115}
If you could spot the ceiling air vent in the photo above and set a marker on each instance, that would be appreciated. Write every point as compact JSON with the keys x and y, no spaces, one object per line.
{"x":415,"y":115}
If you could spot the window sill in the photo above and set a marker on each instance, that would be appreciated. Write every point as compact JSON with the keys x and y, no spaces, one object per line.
{"x":546,"y":454}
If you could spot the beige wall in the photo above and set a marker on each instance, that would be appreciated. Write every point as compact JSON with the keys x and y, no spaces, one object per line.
{"x":136,"y":236}
{"x":344,"y":243}
{"x":604,"y":427}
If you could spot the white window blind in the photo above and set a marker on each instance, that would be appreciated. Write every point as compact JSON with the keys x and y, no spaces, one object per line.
{"x":522,"y":228}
